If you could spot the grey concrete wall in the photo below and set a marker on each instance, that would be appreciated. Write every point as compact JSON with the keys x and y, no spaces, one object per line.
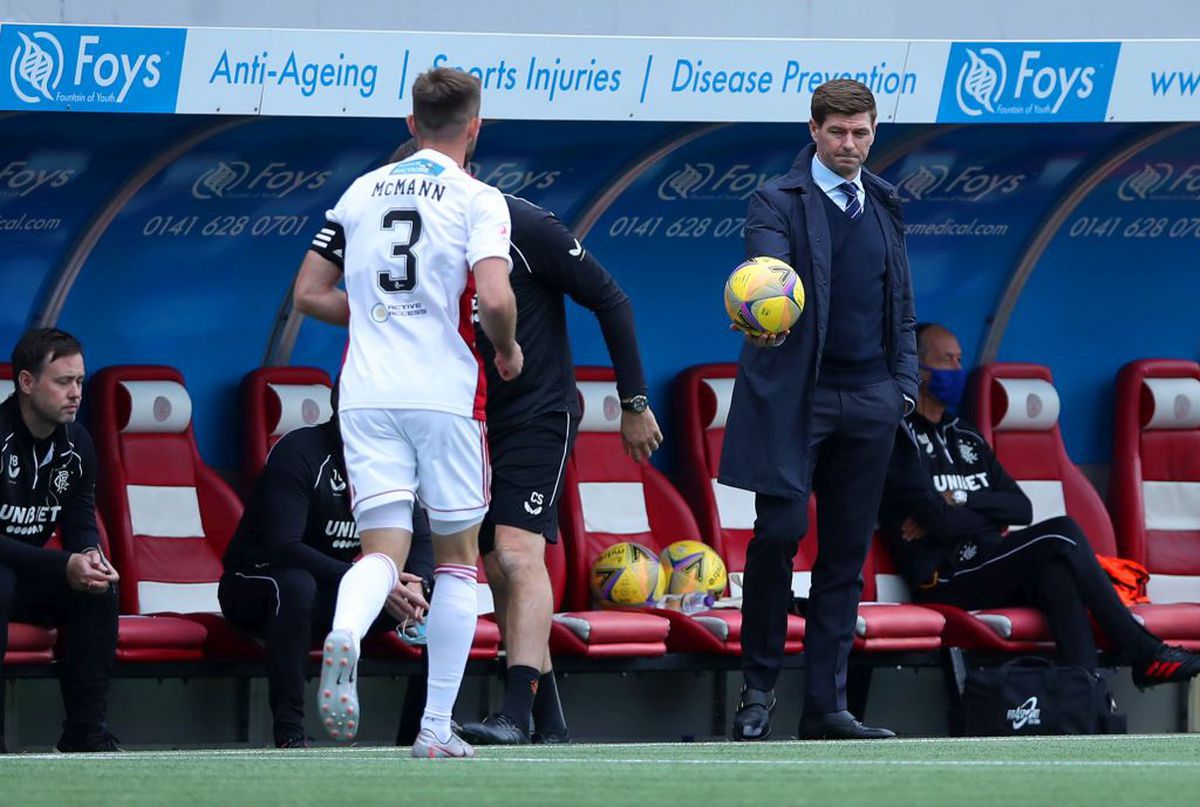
{"x":922,"y":19}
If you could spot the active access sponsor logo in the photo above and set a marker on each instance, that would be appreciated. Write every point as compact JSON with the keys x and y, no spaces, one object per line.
{"x":235,"y":179}
{"x":90,"y":69}
{"x":1027,"y":714}
{"x":943,"y":183}
{"x":1035,"y":81}
{"x":1161,"y":182}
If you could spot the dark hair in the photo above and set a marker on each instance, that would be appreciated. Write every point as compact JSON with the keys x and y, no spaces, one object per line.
{"x":842,"y":96}
{"x":37,"y":347}
{"x":444,"y":102}
{"x":405,"y":150}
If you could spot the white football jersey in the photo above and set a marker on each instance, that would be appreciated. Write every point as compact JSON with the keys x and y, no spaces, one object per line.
{"x":413,"y":231}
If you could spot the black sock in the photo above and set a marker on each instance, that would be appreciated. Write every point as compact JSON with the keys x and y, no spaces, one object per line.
{"x":547,"y":709}
{"x":519,"y":690}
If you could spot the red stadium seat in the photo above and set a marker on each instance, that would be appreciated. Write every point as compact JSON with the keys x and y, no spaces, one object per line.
{"x":138,"y":638}
{"x":608,"y":498}
{"x":1154,"y":488}
{"x":1018,"y":410}
{"x":169,"y":515}
{"x":276,"y":400}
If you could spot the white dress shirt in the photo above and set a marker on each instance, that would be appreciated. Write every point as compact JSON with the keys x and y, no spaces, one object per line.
{"x":829,"y":181}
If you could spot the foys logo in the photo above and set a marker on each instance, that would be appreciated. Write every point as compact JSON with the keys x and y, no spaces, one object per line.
{"x":36,"y":67}
{"x":1034,"y":81}
{"x":89,"y":68}
{"x":1161,"y":182}
{"x":21,"y":177}
{"x":235,"y":179}
{"x":698,"y":181}
{"x":513,"y":177}
{"x":942,"y":183}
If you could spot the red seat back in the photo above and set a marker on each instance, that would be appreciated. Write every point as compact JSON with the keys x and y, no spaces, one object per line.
{"x":726,"y":515}
{"x":1017,"y":412}
{"x":607,"y":497}
{"x":169,"y":515}
{"x":276,"y":400}
{"x":1154,"y":488}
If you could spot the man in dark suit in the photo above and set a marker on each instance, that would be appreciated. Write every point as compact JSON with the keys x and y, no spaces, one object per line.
{"x":817,"y":411}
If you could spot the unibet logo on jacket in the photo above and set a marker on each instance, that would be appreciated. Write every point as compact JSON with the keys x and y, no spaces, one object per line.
{"x":89,"y":68}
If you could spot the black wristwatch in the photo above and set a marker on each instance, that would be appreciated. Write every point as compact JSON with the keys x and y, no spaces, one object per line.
{"x":637,"y":404}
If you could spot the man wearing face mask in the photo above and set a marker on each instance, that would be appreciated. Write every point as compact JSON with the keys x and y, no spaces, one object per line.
{"x":946,"y":504}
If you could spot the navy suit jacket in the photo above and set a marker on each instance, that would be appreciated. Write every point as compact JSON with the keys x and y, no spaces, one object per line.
{"x":767,"y":446}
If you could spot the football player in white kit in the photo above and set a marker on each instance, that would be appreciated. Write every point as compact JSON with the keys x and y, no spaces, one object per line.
{"x":419,"y":239}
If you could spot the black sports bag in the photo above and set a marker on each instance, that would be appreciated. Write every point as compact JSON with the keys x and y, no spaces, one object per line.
{"x":1030,"y":695}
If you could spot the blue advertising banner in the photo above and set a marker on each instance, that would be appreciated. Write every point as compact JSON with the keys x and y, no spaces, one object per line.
{"x":973,"y":197}
{"x":1023,"y":82}
{"x":52,"y":181}
{"x":90,"y":69}
{"x":559,"y":165}
{"x":1117,"y":283}
{"x":194,"y":269}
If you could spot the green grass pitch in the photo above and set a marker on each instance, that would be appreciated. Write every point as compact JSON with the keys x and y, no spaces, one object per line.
{"x":1102,"y":771}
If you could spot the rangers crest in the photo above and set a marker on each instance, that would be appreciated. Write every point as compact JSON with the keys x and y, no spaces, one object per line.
{"x":967,"y":452}
{"x":61,"y":480}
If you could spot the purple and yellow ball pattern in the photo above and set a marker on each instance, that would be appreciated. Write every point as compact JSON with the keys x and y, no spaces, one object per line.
{"x":764,"y":295}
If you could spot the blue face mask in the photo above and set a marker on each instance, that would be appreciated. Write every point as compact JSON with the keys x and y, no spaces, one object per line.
{"x":946,"y":385}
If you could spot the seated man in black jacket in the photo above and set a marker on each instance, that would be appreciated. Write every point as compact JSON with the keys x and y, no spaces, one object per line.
{"x":48,"y":480}
{"x":946,"y":504}
{"x":296,"y":539}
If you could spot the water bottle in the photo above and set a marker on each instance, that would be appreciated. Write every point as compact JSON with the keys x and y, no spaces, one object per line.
{"x":412,"y":633}
{"x":691,"y":603}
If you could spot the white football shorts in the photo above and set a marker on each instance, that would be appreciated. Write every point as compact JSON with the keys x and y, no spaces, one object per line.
{"x":436,"y":458}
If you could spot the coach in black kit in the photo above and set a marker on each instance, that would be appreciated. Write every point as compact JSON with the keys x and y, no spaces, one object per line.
{"x":296,"y":539}
{"x":531,"y":427}
{"x":945,"y":509}
{"x":48,"y":481}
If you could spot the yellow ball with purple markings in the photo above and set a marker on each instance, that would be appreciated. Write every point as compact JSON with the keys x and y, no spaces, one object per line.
{"x":693,"y":566}
{"x":765,"y":295}
{"x":627,"y":574}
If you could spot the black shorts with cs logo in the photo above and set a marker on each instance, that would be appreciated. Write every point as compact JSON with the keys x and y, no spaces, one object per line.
{"x":529,"y":460}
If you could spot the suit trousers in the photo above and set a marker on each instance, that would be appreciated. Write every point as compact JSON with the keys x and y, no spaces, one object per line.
{"x":852,"y":432}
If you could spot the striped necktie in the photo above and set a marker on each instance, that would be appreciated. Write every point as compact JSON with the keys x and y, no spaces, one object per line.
{"x":853,"y":206}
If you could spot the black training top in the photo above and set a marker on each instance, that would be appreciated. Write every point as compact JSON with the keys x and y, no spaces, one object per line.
{"x":300,"y":517}
{"x":548,"y":263}
{"x":928,"y":460}
{"x":44,"y":484}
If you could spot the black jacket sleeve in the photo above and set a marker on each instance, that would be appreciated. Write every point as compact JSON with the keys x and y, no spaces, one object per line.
{"x":420,"y":555}
{"x":909,"y":492}
{"x":767,"y":229}
{"x":1004,"y":503}
{"x":561,"y":261}
{"x":287,"y":491}
{"x":21,"y":556}
{"x":78,"y":520}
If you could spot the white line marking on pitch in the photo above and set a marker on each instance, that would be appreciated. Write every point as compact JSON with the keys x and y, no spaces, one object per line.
{"x":404,"y":759}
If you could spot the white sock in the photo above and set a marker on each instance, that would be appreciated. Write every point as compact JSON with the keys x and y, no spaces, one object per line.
{"x":450,"y":629}
{"x":361,"y":594}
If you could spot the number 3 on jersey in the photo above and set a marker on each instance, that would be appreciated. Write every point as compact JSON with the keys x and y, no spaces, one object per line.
{"x":401,"y":251}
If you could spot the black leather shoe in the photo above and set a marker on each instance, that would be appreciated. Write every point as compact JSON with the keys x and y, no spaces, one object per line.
{"x":839,"y":726}
{"x":550,"y":737}
{"x":495,"y":729}
{"x":93,"y":742}
{"x":753,"y":718}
